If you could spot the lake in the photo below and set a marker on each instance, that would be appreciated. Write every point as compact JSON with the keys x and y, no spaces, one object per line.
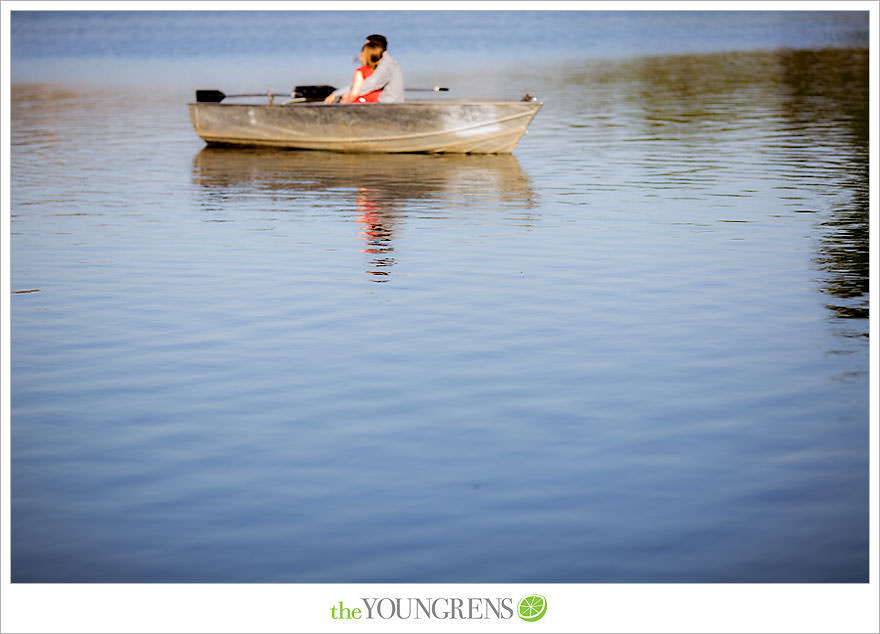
{"x":635,"y":350}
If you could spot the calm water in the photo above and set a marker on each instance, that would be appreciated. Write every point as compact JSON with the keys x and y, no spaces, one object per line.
{"x":635,"y":350}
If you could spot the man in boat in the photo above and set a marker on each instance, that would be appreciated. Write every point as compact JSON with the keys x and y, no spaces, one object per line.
{"x":387,"y":77}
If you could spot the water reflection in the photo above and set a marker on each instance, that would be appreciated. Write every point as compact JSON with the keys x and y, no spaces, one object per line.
{"x":828,"y":92}
{"x":379,"y":190}
{"x":745,"y":134}
{"x":377,"y":230}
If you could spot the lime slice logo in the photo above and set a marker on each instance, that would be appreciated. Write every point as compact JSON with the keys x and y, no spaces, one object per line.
{"x":532,"y":608}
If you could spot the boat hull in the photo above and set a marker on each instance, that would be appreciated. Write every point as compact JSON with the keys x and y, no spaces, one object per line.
{"x":472,"y":127}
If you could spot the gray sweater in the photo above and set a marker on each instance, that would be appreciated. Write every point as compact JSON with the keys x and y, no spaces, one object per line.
{"x":387,"y":76}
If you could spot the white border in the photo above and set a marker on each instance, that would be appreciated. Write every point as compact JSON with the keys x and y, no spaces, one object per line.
{"x":305,"y":607}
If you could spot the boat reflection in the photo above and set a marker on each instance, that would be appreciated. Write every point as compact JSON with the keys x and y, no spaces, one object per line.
{"x":377,"y":230}
{"x":382,"y":189}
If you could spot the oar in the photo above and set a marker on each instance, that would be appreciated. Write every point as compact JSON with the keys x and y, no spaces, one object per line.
{"x":305,"y":93}
{"x":300,"y":93}
{"x":215,"y":96}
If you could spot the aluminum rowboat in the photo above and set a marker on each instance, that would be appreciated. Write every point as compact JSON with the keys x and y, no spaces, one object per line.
{"x":434,"y":126}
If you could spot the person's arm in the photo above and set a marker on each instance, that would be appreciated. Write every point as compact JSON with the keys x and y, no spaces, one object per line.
{"x":353,"y":94}
{"x":336,"y":94}
{"x":376,"y":81}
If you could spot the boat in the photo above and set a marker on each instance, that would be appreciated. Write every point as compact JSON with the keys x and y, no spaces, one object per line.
{"x":457,"y":126}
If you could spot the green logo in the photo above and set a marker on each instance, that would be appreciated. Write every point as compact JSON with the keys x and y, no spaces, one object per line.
{"x":532,"y":608}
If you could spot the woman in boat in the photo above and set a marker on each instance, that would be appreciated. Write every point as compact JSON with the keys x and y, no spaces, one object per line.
{"x":370,"y":56}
